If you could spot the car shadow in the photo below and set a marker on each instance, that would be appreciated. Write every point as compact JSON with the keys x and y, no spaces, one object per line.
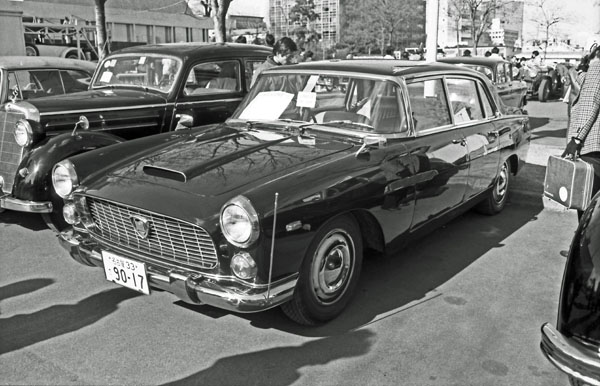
{"x":280,"y":365}
{"x":23,"y":330}
{"x":399,"y":280}
{"x":535,"y":122}
{"x":23,"y":287}
{"x":32,"y":221}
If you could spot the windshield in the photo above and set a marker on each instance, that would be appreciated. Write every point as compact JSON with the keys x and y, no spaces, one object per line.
{"x":154,"y":72}
{"x":340,"y":101}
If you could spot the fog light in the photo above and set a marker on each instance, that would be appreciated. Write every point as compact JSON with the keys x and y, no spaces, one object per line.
{"x":243,"y":266}
{"x":70,"y":214}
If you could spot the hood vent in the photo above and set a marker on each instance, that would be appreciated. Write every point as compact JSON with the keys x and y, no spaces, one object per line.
{"x":170,"y":174}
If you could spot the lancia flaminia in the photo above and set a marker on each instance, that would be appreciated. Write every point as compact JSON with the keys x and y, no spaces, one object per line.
{"x":275,"y":207}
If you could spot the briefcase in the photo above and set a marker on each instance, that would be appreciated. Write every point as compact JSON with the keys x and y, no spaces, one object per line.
{"x":569,"y":182}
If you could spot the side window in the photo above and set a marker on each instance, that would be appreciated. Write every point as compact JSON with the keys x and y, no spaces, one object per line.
{"x":464,"y":100}
{"x":27,"y":84}
{"x":428,"y":103}
{"x":74,"y":81}
{"x":487,"y":105}
{"x":251,"y":66}
{"x":213,"y":78}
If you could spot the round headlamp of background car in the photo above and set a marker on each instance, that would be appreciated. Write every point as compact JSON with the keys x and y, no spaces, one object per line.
{"x":23,"y":133}
{"x":64,"y":178}
{"x":239,"y":222}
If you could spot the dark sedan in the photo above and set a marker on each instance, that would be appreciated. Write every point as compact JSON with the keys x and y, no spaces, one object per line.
{"x":502,"y":73}
{"x":320,"y":162}
{"x":135,"y":92}
{"x":574,"y":343}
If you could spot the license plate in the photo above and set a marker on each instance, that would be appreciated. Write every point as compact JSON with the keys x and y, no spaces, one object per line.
{"x":126,"y":272}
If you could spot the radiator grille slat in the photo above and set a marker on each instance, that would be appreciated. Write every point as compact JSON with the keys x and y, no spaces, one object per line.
{"x":10,"y":153}
{"x":168,"y":240}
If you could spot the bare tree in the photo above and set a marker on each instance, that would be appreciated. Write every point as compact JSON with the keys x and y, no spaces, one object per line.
{"x":547,"y":16}
{"x":481,"y":13}
{"x":456,"y":9}
{"x":101,"y":28}
{"x":217,"y":10}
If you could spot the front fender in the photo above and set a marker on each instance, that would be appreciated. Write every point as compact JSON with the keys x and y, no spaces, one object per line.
{"x":32,"y":182}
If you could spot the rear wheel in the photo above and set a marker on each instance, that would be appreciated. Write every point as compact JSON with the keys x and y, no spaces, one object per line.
{"x":31,"y":50}
{"x":496,"y":200}
{"x":544,"y":90}
{"x":329,"y":273}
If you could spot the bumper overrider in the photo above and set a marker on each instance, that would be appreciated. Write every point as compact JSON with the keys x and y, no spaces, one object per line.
{"x":570,"y":356}
{"x":195,"y":288}
{"x":12,"y":203}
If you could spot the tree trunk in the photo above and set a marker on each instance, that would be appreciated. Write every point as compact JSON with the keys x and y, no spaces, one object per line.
{"x":219,"y":12}
{"x":101,"y":29}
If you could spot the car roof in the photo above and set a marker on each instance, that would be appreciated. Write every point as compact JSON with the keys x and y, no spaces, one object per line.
{"x":182,"y":50}
{"x":31,"y":62}
{"x":383,"y":67}
{"x":477,"y":60}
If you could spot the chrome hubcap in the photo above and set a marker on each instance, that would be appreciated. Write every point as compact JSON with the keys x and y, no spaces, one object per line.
{"x":332,"y":266}
{"x":501,"y":184}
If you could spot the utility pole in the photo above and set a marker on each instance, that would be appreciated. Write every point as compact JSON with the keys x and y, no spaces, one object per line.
{"x":431,"y":29}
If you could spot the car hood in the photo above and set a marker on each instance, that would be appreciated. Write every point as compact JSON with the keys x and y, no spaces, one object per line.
{"x":96,"y":100}
{"x":219,"y":161}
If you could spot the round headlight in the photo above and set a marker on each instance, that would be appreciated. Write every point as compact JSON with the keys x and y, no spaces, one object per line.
{"x":23,"y":133}
{"x":64,"y":178}
{"x":239,"y":222}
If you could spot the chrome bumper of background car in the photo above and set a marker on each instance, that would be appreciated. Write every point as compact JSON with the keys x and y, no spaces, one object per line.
{"x":193,"y":287}
{"x":11,"y":203}
{"x":570,"y":356}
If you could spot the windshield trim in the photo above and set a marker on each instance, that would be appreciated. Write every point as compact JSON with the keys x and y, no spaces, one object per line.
{"x":97,"y":73}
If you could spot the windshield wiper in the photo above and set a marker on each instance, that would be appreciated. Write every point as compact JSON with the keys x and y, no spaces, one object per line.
{"x":348,"y":122}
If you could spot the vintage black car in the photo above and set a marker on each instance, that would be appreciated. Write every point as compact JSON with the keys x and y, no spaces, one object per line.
{"x":574,"y":343}
{"x":135,"y":92}
{"x":320,"y":162}
{"x":502,"y":73}
{"x":25,"y":77}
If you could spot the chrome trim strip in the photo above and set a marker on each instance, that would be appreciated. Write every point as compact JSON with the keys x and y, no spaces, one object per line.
{"x":216,"y":101}
{"x":105,"y":109}
{"x":196,"y":287}
{"x":570,"y":357}
{"x":11,"y":203}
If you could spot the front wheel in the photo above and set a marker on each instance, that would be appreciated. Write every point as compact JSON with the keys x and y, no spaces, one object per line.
{"x":496,"y":200}
{"x":329,"y":273}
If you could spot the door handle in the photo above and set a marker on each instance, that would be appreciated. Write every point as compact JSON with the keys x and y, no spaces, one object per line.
{"x":493,"y":133}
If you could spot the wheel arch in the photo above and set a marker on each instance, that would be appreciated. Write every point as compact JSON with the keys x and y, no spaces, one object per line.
{"x":370,"y":230}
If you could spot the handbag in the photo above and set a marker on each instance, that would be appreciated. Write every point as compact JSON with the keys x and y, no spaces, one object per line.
{"x":569,"y":182}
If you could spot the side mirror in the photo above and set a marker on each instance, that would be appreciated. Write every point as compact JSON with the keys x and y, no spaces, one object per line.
{"x":370,"y":142}
{"x":83,"y":122}
{"x":184,"y":121}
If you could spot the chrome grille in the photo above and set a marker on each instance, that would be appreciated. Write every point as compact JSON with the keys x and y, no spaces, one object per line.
{"x":10,"y":153}
{"x":169,"y":240}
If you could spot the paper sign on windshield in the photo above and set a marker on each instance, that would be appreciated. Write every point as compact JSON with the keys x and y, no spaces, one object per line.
{"x":106,"y":77}
{"x":306,"y":99}
{"x":267,"y":105}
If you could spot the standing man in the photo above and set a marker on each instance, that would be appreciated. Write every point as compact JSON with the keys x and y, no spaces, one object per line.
{"x":584,"y":126}
{"x":284,"y":52}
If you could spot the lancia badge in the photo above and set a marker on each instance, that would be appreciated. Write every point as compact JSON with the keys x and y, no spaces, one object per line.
{"x":141,"y":225}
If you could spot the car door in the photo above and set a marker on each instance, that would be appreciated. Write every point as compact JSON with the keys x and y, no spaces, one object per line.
{"x":511,"y":91}
{"x":211,"y":91}
{"x":474,"y":115}
{"x":441,"y":150}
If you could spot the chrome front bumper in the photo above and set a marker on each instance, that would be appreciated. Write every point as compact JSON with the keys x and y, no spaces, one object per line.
{"x":195,"y":288}
{"x":571,"y":357}
{"x":11,"y":203}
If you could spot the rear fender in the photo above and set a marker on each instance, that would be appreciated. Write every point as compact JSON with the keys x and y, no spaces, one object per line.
{"x":32,"y":182}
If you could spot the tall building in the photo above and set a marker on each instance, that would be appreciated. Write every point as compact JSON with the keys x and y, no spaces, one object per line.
{"x":327,"y":25}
